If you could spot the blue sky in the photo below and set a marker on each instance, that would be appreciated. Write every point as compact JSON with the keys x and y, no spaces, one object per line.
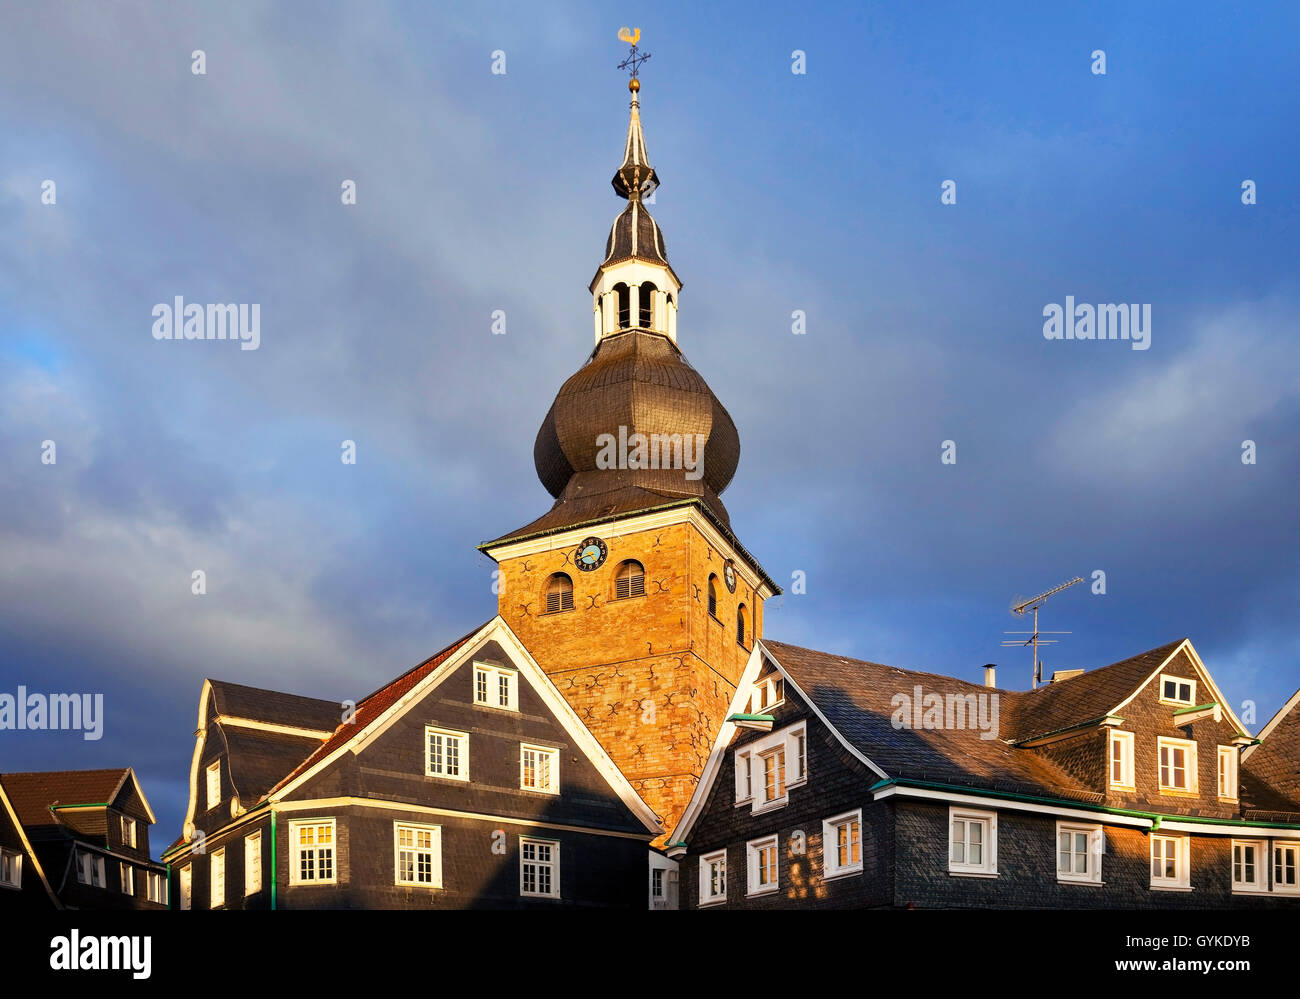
{"x":780,"y":192}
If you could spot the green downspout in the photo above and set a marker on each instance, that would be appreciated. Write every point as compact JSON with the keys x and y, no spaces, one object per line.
{"x":273,"y":867}
{"x":169,"y":887}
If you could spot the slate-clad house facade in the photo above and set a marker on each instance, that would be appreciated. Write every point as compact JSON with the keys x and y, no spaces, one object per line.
{"x":466,"y":782}
{"x":1117,"y":788}
{"x":77,"y":839}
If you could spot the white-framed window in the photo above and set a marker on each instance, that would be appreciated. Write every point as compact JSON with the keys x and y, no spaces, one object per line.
{"x":253,"y":863}
{"x":1286,"y":867}
{"x":90,"y":869}
{"x":447,"y":754}
{"x":417,"y":849}
{"x":311,"y":852}
{"x":766,"y":768}
{"x":1177,"y":769}
{"x":768,"y":693}
{"x":972,"y":842}
{"x":764,"y":868}
{"x":539,"y":868}
{"x":657,"y":882}
{"x":713,"y":877}
{"x":842,"y":844}
{"x":128,"y":832}
{"x":214,"y":784}
{"x":127,"y":874}
{"x":1121,"y":760}
{"x":539,"y":769}
{"x":1078,"y":852}
{"x":11,"y":868}
{"x":496,"y":687}
{"x":1249,"y":868}
{"x":217,"y":880}
{"x":1177,"y":690}
{"x":187,"y":885}
{"x":744,"y":777}
{"x":157,"y":887}
{"x":1228,"y":773}
{"x":1170,"y":861}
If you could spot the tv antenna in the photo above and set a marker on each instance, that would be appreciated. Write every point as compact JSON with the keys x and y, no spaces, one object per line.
{"x":1035,"y":637}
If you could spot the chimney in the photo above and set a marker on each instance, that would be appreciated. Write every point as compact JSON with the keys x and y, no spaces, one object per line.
{"x":990,"y":674}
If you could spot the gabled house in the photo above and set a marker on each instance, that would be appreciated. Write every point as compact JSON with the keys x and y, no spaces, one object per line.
{"x":841,"y":783}
{"x":466,"y":782}
{"x":77,"y":839}
{"x":1271,"y":768}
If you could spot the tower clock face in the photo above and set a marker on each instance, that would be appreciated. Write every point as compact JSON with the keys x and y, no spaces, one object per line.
{"x":729,"y":575}
{"x":590,"y":554}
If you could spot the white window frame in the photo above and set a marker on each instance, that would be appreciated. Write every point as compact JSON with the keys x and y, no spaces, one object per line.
{"x":126,"y":878}
{"x":831,"y":867}
{"x":1190,"y":764}
{"x":213,"y":784}
{"x":1191,"y":700}
{"x":90,"y":869}
{"x":1227,"y":773}
{"x":156,"y":887}
{"x":744,"y":766}
{"x":754,"y":851}
{"x":217,"y":880}
{"x":1182,"y":879}
{"x":988,"y":865}
{"x":707,"y":862}
{"x":296,"y":849}
{"x":1127,"y":741}
{"x":1276,"y":847}
{"x":186,"y":879}
{"x":553,"y":864}
{"x":785,"y":741}
{"x":461,"y":739}
{"x":1263,"y":862}
{"x":128,"y":831}
{"x":11,"y":861}
{"x":252,"y":863}
{"x":434,"y":850}
{"x":491,"y":696}
{"x":797,"y":757}
{"x":767,"y":694}
{"x":1095,"y":848}
{"x":548,"y":752}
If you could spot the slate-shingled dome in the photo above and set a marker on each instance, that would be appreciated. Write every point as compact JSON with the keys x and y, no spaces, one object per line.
{"x":639,"y":381}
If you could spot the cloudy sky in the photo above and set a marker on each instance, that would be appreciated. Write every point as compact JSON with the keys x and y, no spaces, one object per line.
{"x":478,"y":191}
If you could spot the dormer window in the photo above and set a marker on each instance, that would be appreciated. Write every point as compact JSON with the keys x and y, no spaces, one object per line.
{"x":767,"y":694}
{"x":1176,"y":690}
{"x":128,"y":832}
{"x":559,"y":593}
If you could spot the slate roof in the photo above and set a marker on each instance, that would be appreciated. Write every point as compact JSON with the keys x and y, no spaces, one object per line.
{"x":33,"y":793}
{"x":1271,"y":770}
{"x":274,"y":707}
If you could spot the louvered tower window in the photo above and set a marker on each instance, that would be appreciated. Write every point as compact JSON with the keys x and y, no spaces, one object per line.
{"x":646,"y":305}
{"x":713,"y":596}
{"x":624,"y":305}
{"x":740,"y":625}
{"x":630,"y":581}
{"x":559,"y":593}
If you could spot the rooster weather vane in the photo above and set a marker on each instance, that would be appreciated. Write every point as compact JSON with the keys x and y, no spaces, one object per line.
{"x":635,"y":58}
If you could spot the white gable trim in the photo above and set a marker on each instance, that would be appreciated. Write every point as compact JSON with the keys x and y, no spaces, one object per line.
{"x":496,"y":630}
{"x":1199,"y":668}
{"x":27,"y":847}
{"x":306,"y":733}
{"x":200,"y":738}
{"x":739,"y":703}
{"x":130,"y":773}
{"x":1272,"y":724}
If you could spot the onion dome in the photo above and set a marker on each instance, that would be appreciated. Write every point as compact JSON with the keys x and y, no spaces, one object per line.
{"x":635,"y":234}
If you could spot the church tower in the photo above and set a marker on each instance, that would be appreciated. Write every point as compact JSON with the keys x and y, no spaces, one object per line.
{"x":632,"y":592}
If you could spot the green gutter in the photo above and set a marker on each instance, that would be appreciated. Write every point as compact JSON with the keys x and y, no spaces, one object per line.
{"x":1154,"y":817}
{"x":1199,"y":707}
{"x":740,"y":717}
{"x":90,"y":804}
{"x":273,"y":860}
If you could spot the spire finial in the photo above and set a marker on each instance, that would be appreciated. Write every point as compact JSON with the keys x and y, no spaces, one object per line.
{"x":635,"y":178}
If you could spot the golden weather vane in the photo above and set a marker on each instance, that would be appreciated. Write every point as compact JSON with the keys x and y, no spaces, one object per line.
{"x":635,"y":58}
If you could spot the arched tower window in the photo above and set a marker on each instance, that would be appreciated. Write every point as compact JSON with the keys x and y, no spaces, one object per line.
{"x":559,"y":593}
{"x":713,"y":596}
{"x":624,"y":305}
{"x":740,"y":625}
{"x":630,"y":580}
{"x":647,"y":305}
